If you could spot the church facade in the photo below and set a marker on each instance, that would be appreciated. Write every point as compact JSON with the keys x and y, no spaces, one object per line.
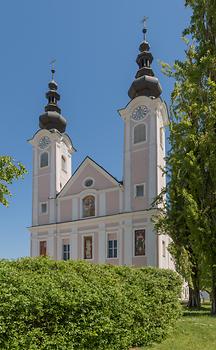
{"x":89,"y":214}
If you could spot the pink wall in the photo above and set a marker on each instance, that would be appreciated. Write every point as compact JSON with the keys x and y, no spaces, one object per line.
{"x":112,"y":202}
{"x":111,"y":225}
{"x":140,"y":169}
{"x":140,"y":165}
{"x":101,"y":182}
{"x":139,"y":261}
{"x":87,"y":228}
{"x":43,"y":219}
{"x":112,"y":261}
{"x":65,"y":210}
{"x":43,"y":188}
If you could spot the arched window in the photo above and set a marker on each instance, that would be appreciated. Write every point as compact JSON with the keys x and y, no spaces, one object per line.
{"x":44,"y":159}
{"x":63,"y":163}
{"x":88,"y":206}
{"x":140,"y":133}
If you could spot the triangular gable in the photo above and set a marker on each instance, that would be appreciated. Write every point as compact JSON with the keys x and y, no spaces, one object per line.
{"x":89,"y":168}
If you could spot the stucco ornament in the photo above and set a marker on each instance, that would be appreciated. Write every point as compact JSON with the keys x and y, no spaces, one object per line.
{"x":44,"y":142}
{"x":140,"y":112}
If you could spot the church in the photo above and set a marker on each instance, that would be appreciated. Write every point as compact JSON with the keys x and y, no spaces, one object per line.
{"x":89,"y":214}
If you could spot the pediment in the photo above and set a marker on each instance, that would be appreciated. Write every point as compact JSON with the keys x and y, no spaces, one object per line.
{"x":89,"y":170}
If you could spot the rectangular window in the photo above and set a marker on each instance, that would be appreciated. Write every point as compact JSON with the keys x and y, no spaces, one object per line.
{"x":164,"y":249}
{"x":139,"y":190}
{"x":43,"y":208}
{"x":66,"y":251}
{"x":43,"y":248}
{"x":112,"y":248}
{"x":88,"y":247}
{"x":139,"y":237}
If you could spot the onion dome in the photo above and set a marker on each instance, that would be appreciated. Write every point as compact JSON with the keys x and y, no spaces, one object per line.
{"x":145,"y":83}
{"x":52,"y":118}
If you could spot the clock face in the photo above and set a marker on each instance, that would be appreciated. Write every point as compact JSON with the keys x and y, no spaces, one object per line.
{"x":44,"y":142}
{"x":140,"y":112}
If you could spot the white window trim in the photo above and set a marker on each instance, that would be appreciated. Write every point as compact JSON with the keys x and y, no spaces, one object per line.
{"x":62,"y":245}
{"x":137,"y":229}
{"x":88,"y":193}
{"x":118,"y":248}
{"x":40,"y":205}
{"x":141,"y":142}
{"x":144,"y":190}
{"x":88,"y":178}
{"x":46,"y":166}
{"x":88,"y":235}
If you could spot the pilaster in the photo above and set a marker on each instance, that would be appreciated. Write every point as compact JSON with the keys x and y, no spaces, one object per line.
{"x":102,"y":243}
{"x":128,"y":242}
{"x":74,"y":243}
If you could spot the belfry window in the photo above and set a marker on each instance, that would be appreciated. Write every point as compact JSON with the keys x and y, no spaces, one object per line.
{"x":63,"y":164}
{"x":140,"y":133}
{"x":44,"y":159}
{"x":88,"y":206}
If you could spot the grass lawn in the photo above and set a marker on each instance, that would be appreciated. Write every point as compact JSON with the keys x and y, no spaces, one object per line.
{"x":196,"y":330}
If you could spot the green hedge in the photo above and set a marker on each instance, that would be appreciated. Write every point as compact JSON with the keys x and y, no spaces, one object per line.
{"x":51,"y":305}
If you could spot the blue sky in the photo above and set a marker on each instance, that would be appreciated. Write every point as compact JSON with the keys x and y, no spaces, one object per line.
{"x":95,"y":43}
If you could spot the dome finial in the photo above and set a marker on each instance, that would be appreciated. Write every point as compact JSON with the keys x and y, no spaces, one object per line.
{"x":52,"y":118}
{"x":144,"y":21}
{"x":53,"y":68}
{"x":145,"y":83}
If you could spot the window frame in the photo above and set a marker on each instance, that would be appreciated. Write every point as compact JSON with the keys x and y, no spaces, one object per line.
{"x":88,"y":178}
{"x":146,"y":138}
{"x":144,"y":190}
{"x":41,"y":212}
{"x":82,"y":208}
{"x":84,"y":236}
{"x":134,"y":242}
{"x":40,"y":242}
{"x":113,"y":248}
{"x":45,"y":166}
{"x":66,"y":252}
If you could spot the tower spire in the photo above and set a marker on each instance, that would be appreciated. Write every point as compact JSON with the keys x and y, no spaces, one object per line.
{"x":52,"y":118}
{"x":145,"y":83}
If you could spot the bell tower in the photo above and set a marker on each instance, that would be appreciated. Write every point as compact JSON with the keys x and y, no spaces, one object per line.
{"x":52,"y":152}
{"x":144,"y":118}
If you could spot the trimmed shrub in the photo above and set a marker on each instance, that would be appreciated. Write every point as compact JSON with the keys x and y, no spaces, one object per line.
{"x":50,"y":305}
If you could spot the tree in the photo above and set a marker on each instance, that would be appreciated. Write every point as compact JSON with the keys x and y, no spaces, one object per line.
{"x":189,"y":214}
{"x":9,"y":171}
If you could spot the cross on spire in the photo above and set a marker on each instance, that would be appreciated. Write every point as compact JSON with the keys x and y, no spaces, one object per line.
{"x":144,"y":21}
{"x":52,"y":63}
